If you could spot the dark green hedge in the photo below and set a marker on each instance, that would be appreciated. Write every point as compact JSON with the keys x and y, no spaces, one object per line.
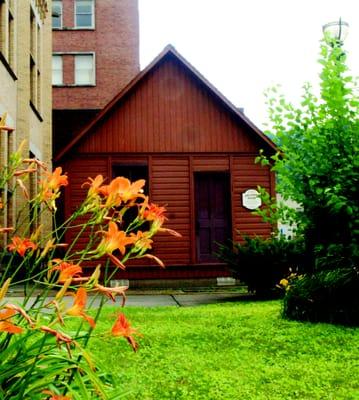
{"x":262,"y":263}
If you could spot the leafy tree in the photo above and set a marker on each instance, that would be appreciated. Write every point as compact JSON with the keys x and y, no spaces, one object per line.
{"x":317,"y":164}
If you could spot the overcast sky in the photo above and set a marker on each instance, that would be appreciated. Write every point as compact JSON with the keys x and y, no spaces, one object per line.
{"x":245,"y":46}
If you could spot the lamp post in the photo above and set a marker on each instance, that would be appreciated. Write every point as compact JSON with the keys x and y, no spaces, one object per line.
{"x":335,"y":32}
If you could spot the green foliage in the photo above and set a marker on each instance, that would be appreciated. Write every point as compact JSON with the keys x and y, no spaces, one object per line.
{"x":330,"y":296}
{"x":262,"y":263}
{"x":41,"y":356}
{"x":241,"y":350}
{"x":274,"y":211}
{"x":318,"y":167}
{"x":318,"y":162}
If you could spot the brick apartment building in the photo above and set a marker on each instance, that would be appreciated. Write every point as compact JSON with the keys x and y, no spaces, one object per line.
{"x":95,"y":53}
{"x":25,"y":81}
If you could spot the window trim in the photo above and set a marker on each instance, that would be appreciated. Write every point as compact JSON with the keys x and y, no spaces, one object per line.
{"x":75,"y":53}
{"x":93,"y":25}
{"x":62,"y":70}
{"x":86,"y":53}
{"x":8,"y":67}
{"x":61,"y":15}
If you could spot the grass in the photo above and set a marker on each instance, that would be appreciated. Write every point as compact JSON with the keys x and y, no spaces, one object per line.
{"x":230,"y":351}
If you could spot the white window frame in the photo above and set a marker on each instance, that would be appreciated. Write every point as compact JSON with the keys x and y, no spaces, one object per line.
{"x":61,"y":15}
{"x":93,"y":83}
{"x":62,"y":70}
{"x":92,"y":19}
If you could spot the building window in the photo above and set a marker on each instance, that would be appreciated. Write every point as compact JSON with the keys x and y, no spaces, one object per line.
{"x":11,"y":39}
{"x":35,"y":61}
{"x":7,"y":33}
{"x":84,"y":14}
{"x":57,"y":70}
{"x":57,"y":14}
{"x":84,"y":69}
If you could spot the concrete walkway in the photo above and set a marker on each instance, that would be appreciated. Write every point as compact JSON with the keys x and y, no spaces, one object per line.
{"x":159,"y":300}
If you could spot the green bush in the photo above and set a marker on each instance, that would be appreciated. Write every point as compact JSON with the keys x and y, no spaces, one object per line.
{"x":261,"y":263}
{"x":328,"y":296}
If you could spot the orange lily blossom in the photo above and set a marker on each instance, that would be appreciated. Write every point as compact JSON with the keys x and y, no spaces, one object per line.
{"x":114,"y":239}
{"x":112,"y":292}
{"x":56,"y":180}
{"x":52,"y":183}
{"x":94,"y":184}
{"x":56,"y":396}
{"x":67,"y":270}
{"x":121,"y":190}
{"x":6,"y":325}
{"x":18,"y":309}
{"x":24,"y":171}
{"x":6,"y":230}
{"x":21,"y":245}
{"x":154,"y":212}
{"x":123,"y":328}
{"x":60,"y":337}
{"x":77,"y":310}
{"x":142,"y":240}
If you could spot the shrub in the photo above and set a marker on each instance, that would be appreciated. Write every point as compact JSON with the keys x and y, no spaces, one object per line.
{"x":262,"y":263}
{"x":328,"y":296}
{"x":43,"y":352}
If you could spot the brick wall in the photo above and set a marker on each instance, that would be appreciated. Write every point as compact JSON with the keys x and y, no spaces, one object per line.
{"x":115,"y":42}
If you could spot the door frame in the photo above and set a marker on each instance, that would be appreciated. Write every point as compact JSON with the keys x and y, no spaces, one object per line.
{"x":228,"y":178}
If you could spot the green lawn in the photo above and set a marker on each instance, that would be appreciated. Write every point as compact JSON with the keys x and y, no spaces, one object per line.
{"x":231,"y":351}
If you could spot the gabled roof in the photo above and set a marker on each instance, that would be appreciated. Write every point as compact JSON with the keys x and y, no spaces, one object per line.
{"x":168,"y":51}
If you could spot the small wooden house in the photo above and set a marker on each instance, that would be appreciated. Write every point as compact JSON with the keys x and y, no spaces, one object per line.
{"x":196,"y":150}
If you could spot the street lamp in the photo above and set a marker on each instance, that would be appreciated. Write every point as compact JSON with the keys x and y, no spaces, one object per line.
{"x":336,"y":32}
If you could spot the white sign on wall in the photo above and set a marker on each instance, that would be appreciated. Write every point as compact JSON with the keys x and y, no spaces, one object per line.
{"x":251,"y":199}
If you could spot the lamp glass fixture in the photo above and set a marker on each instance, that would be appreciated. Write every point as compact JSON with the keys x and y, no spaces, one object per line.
{"x":336,"y":30}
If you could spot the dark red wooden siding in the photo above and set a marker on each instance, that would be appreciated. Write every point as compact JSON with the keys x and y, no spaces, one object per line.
{"x":170,"y":186}
{"x":247,"y":175}
{"x":171,"y":122}
{"x":169,"y":111}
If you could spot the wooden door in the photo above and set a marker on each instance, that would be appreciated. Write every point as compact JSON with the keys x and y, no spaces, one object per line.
{"x":213,"y":210}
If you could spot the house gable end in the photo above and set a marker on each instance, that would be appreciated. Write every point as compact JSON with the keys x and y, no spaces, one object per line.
{"x":169,"y":111}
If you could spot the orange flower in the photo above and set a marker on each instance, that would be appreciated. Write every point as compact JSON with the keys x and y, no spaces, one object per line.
{"x":94,"y":185}
{"x":154,"y":213}
{"x":56,"y":396}
{"x":123,"y":328}
{"x":121,"y":190}
{"x":113,"y":239}
{"x":60,"y":337}
{"x":6,"y":230}
{"x":21,"y":245}
{"x":5,"y":324}
{"x":35,"y":161}
{"x":56,"y":180}
{"x":51,"y":185}
{"x":112,"y":292}
{"x":24,"y":171}
{"x":67,"y":270}
{"x":142,"y":240}
{"x":77,"y":310}
{"x":18,"y":309}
